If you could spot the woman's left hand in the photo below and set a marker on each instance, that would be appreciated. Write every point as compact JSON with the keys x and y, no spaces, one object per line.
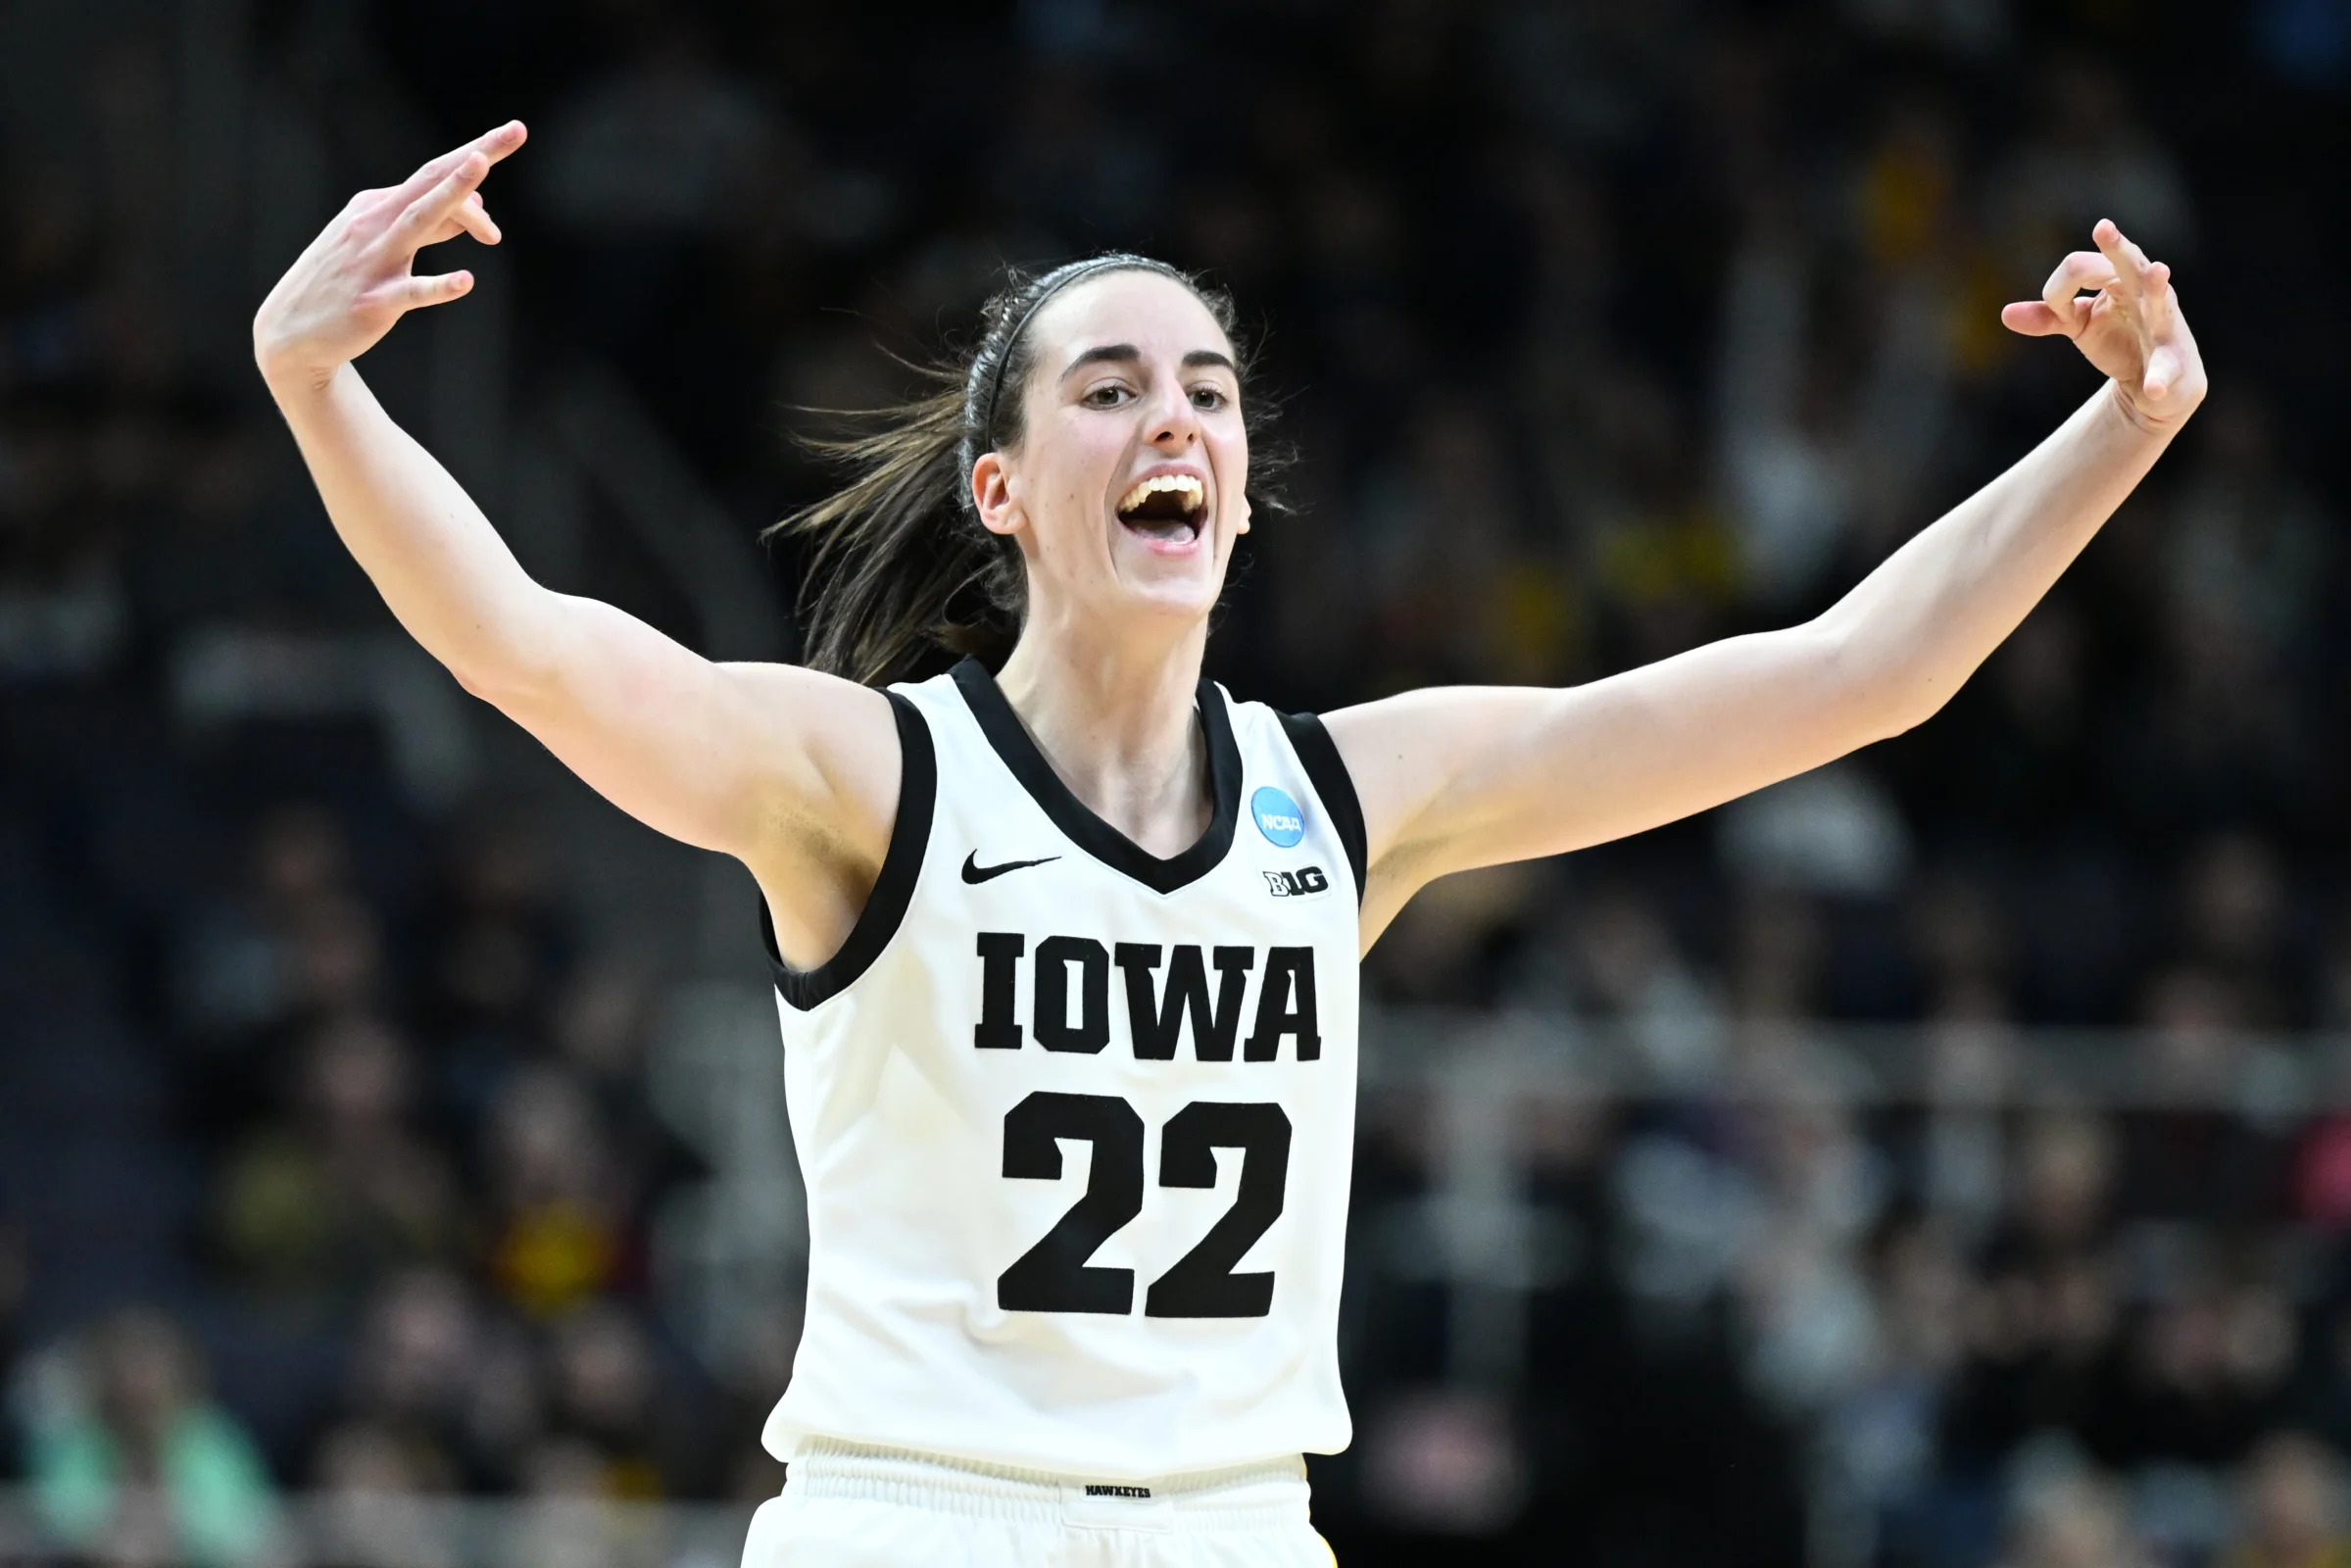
{"x":2130,"y":328}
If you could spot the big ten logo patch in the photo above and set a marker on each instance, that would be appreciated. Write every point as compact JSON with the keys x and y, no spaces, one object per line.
{"x":1302,"y":883}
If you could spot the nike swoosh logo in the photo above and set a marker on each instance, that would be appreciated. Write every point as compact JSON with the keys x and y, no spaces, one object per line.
{"x":976,"y":873}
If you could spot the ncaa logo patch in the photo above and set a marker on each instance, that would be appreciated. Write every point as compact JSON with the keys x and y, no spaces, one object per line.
{"x":1278,"y":817}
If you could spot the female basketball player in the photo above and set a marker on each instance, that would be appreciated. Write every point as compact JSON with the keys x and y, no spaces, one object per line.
{"x":1066,"y":954}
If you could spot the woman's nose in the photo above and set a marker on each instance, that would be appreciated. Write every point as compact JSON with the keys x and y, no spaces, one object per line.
{"x":1178,"y":425}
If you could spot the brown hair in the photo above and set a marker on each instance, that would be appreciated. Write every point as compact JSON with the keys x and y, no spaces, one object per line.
{"x":897,"y":561}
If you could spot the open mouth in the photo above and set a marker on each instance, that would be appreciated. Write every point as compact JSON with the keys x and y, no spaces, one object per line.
{"x":1167,"y":506}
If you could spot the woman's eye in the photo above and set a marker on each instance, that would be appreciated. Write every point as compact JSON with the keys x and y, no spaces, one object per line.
{"x":1207,"y":397}
{"x":1104,"y":397}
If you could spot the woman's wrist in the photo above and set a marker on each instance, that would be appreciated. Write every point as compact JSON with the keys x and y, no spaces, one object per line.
{"x":293,"y":382}
{"x":2162,"y":423}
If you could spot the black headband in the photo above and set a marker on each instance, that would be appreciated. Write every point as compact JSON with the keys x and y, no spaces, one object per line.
{"x":1069,"y":274}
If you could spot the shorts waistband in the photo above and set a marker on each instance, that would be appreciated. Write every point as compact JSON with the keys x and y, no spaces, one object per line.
{"x":1249,"y":1496}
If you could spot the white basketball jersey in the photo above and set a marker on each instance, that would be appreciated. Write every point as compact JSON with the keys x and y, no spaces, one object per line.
{"x":1076,"y":1121}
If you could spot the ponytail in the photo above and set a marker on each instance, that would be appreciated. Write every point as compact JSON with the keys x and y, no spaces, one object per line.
{"x":899,"y":562}
{"x":894,"y":565}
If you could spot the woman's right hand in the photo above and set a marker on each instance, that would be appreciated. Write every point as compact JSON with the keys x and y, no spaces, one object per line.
{"x":347,"y":289}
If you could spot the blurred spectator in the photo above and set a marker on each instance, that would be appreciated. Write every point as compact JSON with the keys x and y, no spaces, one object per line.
{"x":497,"y":944}
{"x":1833,"y":830}
{"x":2203,"y":1370}
{"x":2235,"y":914}
{"x":455,"y":1383}
{"x":669,"y":150}
{"x":2039,"y":1317}
{"x":369,"y":1493}
{"x":1811,"y":1320}
{"x":129,"y":1464}
{"x":609,"y":1393}
{"x":2247,"y":543}
{"x":1882,"y":1436}
{"x":1776,"y":945}
{"x":1444,"y":1463}
{"x":1787,"y":449}
{"x":562,"y":1479}
{"x":2292,"y":1507}
{"x":679,"y":186}
{"x":414,"y":1377}
{"x":1960,"y":938}
{"x":1609,"y":955}
{"x":293,"y":944}
{"x":2092,"y":159}
{"x":2072,"y":1521}
{"x":667,"y":143}
{"x":1463,"y":593}
{"x":559,"y":1230}
{"x":600,"y":1021}
{"x":341,"y":1188}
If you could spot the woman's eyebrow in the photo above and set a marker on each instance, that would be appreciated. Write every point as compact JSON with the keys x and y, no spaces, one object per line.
{"x":1128,"y":353}
{"x":1116,"y":353}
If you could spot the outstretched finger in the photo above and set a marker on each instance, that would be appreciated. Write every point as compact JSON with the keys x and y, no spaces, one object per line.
{"x":2172,"y":351}
{"x":2034,"y":319}
{"x":415,"y":293}
{"x":470,"y":217}
{"x":2158,"y":305}
{"x":439,"y":205}
{"x":2129,"y":262}
{"x":493,"y":145}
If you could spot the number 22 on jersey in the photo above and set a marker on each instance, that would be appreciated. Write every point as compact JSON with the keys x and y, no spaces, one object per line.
{"x":1053,"y":1275}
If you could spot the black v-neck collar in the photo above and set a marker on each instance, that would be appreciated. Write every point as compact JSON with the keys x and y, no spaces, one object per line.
{"x":1089,"y":832}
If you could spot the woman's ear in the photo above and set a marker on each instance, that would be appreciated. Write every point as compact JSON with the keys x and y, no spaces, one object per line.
{"x":992,"y":494}
{"x":1243,"y":525}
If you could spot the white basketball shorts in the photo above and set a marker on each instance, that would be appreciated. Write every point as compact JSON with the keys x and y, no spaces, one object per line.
{"x":850,"y":1506}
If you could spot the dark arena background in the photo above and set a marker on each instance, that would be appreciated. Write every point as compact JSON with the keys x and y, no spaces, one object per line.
{"x":1942,"y":1160}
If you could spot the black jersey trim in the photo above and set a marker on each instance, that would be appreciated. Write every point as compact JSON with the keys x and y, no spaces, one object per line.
{"x":1081,"y":826}
{"x":893,"y":891}
{"x":1320,"y":754}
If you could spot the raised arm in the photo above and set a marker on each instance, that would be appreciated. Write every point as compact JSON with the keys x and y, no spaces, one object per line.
{"x":793,"y":772}
{"x":1459,"y":777}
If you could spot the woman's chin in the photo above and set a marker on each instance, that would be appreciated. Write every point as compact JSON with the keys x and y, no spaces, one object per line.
{"x":1174,"y":588}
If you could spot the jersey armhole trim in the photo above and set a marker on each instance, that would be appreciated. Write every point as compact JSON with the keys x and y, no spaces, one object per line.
{"x":893,"y":891}
{"x":1320,"y":754}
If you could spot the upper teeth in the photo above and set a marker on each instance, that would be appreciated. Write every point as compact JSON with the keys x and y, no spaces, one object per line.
{"x":1184,"y":484}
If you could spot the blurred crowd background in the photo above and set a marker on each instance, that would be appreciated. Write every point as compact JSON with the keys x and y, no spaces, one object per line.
{"x":1938,"y":1160}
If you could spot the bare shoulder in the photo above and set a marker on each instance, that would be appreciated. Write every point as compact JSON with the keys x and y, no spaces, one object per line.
{"x":1404,"y":754}
{"x":831,"y":769}
{"x":1401,"y":751}
{"x":829,"y":747}
{"x":823,"y":713}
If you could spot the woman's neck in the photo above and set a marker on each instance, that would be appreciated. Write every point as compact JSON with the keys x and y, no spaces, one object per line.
{"x":1117,"y":724}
